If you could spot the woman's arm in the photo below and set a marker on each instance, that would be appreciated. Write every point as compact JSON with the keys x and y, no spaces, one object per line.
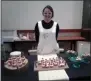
{"x":57,"y":31}
{"x":36,"y":33}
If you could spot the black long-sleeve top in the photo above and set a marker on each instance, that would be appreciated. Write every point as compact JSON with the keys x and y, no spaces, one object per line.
{"x":46,"y":26}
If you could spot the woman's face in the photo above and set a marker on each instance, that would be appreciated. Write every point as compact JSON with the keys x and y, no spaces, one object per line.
{"x":47,"y":14}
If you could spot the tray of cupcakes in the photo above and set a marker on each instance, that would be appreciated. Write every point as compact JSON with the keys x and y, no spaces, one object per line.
{"x":16,"y":61}
{"x":50,"y":64}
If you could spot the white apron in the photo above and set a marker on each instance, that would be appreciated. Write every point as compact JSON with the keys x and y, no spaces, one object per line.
{"x":47,"y":40}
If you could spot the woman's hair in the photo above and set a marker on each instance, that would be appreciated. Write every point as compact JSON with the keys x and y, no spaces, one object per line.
{"x":50,"y":8}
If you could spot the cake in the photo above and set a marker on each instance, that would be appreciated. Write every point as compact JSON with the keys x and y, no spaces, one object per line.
{"x":15,"y":54}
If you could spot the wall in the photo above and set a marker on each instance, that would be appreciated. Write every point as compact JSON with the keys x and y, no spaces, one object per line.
{"x":24,"y":14}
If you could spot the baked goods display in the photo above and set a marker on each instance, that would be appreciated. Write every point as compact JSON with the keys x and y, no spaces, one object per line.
{"x":15,"y":61}
{"x":71,"y":51}
{"x":78,"y":58}
{"x":86,"y":55}
{"x":50,"y":64}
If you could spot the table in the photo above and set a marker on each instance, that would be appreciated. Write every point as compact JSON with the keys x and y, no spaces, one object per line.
{"x":72,"y":40}
{"x":21,"y":43}
{"x":83,"y":73}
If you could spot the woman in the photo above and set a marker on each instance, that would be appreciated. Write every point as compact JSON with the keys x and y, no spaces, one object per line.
{"x":46,"y":32}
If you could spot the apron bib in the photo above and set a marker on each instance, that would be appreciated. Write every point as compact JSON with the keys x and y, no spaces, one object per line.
{"x":47,"y":40}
